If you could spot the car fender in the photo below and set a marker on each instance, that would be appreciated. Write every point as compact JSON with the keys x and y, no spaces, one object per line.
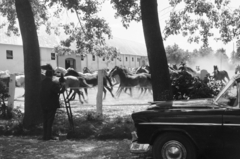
{"x":162,"y":131}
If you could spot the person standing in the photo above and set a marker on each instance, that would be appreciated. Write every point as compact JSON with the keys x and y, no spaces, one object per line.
{"x":49,"y":100}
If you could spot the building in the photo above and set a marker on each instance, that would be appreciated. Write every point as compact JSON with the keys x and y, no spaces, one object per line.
{"x":11,"y":54}
{"x":133,"y":54}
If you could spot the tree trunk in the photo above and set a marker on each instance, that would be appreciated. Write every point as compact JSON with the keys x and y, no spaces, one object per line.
{"x":31,"y":53}
{"x":156,"y":52}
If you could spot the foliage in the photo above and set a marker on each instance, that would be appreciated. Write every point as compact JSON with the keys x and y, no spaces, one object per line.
{"x":4,"y":111}
{"x":7,"y":9}
{"x":207,"y":16}
{"x":14,"y":125}
{"x":185,"y":86}
{"x":128,"y":10}
{"x":86,"y":124}
{"x":175,"y":54}
{"x":90,"y":30}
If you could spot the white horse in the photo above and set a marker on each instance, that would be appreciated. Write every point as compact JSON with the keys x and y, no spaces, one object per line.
{"x":20,"y":82}
{"x":4,"y":74}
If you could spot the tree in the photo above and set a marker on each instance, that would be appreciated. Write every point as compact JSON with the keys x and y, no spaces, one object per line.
{"x":198,"y":19}
{"x":31,"y":15}
{"x":31,"y":62}
{"x":176,"y":55}
{"x":221,"y":55}
{"x":146,"y":11}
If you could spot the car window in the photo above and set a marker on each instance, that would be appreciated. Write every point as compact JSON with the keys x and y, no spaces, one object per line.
{"x":229,"y":97}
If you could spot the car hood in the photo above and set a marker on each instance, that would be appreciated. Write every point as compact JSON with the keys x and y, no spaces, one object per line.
{"x":193,"y":103}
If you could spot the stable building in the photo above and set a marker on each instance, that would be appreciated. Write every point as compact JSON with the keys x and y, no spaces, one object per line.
{"x":132,"y":54}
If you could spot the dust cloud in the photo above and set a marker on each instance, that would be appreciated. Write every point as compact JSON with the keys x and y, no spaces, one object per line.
{"x":208,"y":62}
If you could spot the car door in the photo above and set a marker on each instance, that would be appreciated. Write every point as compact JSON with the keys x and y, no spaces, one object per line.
{"x":231,"y":133}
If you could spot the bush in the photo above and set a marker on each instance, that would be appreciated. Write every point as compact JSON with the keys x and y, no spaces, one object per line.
{"x":185,"y":86}
{"x":118,"y":128}
{"x":4,"y":111}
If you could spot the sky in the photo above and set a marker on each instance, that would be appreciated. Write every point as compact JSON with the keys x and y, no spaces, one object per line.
{"x":135,"y":31}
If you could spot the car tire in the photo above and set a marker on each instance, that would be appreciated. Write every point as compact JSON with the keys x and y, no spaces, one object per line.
{"x":173,"y":146}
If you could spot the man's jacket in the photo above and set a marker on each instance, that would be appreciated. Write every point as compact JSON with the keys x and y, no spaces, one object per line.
{"x":49,"y":94}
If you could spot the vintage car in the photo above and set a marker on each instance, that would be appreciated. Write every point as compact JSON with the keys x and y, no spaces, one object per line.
{"x":187,"y":129}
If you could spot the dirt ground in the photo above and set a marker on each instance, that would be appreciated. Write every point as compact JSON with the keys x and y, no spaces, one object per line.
{"x":30,"y":147}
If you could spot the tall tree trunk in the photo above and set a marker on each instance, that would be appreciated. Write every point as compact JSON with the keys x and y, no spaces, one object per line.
{"x":156,"y":52}
{"x":31,"y":54}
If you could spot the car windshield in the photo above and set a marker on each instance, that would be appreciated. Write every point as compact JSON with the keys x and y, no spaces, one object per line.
{"x":229,"y":96}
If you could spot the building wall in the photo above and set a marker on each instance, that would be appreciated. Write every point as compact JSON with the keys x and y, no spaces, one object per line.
{"x":46,"y":57}
{"x":16,"y":65}
{"x":99,"y":63}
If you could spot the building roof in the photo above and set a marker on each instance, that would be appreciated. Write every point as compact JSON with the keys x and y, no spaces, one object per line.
{"x":126,"y":47}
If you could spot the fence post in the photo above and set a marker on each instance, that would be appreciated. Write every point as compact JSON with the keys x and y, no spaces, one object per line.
{"x":100,"y":92}
{"x":11,"y":91}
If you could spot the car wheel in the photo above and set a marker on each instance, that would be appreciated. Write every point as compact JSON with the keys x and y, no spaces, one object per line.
{"x":173,"y":146}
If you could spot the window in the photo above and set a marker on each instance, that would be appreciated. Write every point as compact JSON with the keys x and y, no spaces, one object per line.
{"x":53,"y":56}
{"x":126,"y":58}
{"x":132,"y":58}
{"x":82,"y":58}
{"x":93,"y":57}
{"x":9,"y":54}
{"x":138,"y":59}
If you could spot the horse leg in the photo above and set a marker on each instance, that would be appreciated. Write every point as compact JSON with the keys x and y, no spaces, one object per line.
{"x":119,"y":90}
{"x":110,"y":82}
{"x":104,"y":93}
{"x":86,"y":92}
{"x":109,"y":89}
{"x":130,"y":90}
{"x":141,"y":89}
{"x":79,"y":95}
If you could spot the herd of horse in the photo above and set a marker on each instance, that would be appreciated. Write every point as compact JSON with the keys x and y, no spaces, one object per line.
{"x":79,"y":82}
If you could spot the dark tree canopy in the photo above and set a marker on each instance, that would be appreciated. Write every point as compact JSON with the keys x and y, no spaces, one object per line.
{"x":198,"y":19}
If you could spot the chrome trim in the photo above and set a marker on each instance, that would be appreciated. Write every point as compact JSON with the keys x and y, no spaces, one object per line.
{"x":197,"y":124}
{"x":224,"y":124}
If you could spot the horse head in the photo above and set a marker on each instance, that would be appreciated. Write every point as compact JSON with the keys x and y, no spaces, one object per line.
{"x":215,"y":69}
{"x":86,"y":70}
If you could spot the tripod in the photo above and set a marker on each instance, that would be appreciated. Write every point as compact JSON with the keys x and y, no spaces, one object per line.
{"x":69,"y":111}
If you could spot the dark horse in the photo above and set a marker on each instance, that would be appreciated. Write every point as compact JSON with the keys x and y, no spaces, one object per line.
{"x":87,"y":70}
{"x":143,"y":80}
{"x":92,"y":80}
{"x":220,"y":75}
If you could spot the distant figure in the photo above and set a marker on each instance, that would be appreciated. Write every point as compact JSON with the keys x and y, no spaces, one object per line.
{"x":49,"y":100}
